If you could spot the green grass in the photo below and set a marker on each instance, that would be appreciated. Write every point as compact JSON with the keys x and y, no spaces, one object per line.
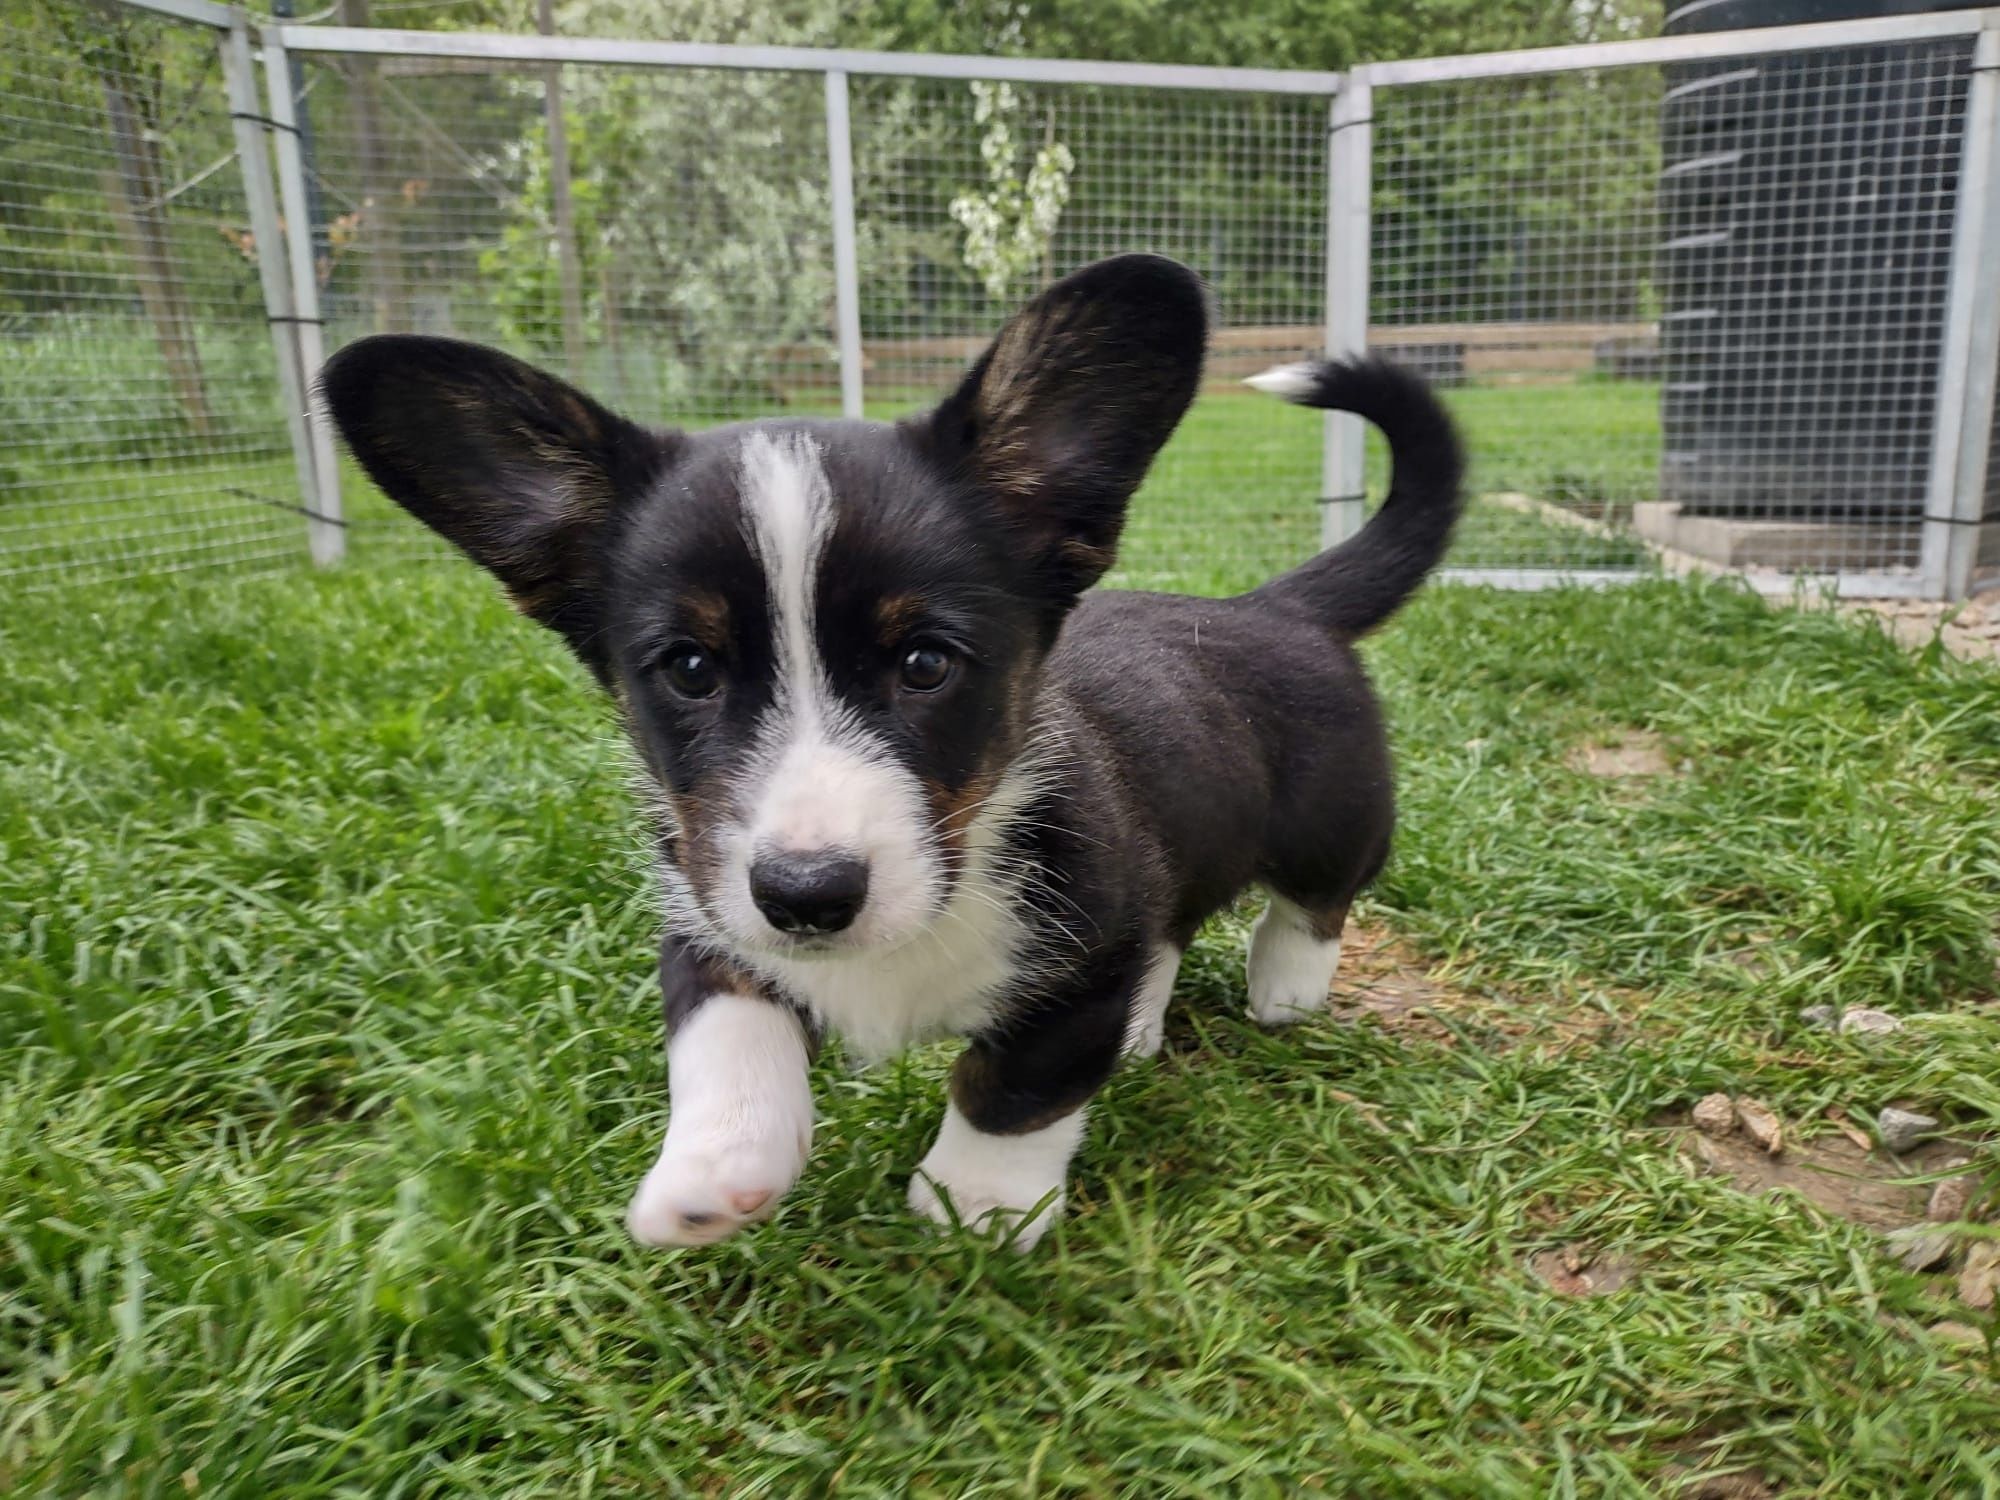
{"x":1232,"y":499}
{"x":332,"y":1052}
{"x":1231,"y":502}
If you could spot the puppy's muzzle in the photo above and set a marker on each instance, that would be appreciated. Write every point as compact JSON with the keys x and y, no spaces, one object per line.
{"x":810,"y":894}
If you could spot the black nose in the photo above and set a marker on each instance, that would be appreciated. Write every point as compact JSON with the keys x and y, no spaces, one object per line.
{"x":802,"y":893}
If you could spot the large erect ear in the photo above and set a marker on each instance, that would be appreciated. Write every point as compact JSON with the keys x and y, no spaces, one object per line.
{"x":518,"y":470}
{"x":1061,"y":417}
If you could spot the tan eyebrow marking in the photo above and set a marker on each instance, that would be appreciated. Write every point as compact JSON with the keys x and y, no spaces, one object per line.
{"x":896,"y":615}
{"x":706,"y":615}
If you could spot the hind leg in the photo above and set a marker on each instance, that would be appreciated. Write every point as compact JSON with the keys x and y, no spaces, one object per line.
{"x":1146,"y":1026}
{"x":1294,"y":951}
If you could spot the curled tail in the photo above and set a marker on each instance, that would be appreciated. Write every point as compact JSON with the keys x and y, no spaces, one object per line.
{"x":1357,"y":585}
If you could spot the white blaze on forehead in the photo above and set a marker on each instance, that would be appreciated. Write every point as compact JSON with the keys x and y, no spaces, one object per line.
{"x":790,"y":511}
{"x":817,"y":781}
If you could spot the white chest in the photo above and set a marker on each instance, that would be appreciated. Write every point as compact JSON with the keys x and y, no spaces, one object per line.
{"x":948,"y":979}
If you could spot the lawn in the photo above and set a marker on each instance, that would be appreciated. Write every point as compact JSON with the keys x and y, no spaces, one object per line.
{"x":332,"y":1053}
{"x":1232,"y":500}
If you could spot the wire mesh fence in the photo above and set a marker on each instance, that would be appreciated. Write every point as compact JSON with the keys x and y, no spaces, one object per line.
{"x":1233,"y":184}
{"x":1987,"y":571}
{"x":1693,"y":309}
{"x":140,"y":427}
{"x":1685,"y":309}
{"x":699,"y":258}
{"x":687,"y":280}
{"x":1516,"y":229}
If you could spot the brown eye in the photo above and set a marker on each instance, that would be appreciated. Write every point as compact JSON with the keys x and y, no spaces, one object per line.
{"x":691,"y":671}
{"x":927,"y":666}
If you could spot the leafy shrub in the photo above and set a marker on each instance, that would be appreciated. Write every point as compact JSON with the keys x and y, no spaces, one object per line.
{"x":92,"y":389}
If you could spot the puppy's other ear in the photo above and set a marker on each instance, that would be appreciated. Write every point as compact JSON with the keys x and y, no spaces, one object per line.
{"x":1060,"y":418}
{"x":518,"y":470}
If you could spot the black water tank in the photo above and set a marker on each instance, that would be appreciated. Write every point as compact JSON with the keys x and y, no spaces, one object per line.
{"x":1805,"y":203}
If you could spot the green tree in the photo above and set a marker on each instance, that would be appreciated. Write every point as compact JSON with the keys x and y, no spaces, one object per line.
{"x":1313,"y":34}
{"x":701,"y":198}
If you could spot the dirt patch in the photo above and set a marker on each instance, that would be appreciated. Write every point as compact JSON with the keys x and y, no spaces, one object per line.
{"x":1684,"y":1484}
{"x":1381,"y":976}
{"x":1625,"y":757}
{"x":1384,"y":977}
{"x":1579,"y":1271}
{"x":1970,"y":630}
{"x":1830,"y":1171}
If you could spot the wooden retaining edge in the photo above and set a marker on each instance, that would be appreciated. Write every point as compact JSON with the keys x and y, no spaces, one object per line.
{"x":1521,"y":349}
{"x":1672,"y":561}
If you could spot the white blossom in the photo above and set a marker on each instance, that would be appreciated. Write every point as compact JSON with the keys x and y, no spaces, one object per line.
{"x":1009,"y":227}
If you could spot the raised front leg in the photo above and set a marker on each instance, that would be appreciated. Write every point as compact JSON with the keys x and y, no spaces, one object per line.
{"x":1019,"y":1097}
{"x":741,"y":1114}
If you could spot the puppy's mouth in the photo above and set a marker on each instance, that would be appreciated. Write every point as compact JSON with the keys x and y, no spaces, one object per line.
{"x":857,"y":942}
{"x":812,"y":945}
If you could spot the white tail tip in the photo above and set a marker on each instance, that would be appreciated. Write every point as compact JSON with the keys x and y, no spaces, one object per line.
{"x":1292,"y":382}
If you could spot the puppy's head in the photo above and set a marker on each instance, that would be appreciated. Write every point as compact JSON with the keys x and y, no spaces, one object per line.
{"x":826,"y":636}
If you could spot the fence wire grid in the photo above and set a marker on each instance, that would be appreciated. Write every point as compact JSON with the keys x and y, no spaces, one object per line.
{"x":1694,"y":309}
{"x":141,"y":429}
{"x":1689,"y":309}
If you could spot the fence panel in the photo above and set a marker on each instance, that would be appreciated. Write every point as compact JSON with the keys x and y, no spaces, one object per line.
{"x":687,"y":279}
{"x":1692,"y":310}
{"x":140,"y":425}
{"x":971,"y":195}
{"x":1685,"y":307}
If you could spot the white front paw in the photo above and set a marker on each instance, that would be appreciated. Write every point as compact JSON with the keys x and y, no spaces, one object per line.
{"x":740,"y":1127}
{"x":1007,"y":1211}
{"x":1009,"y":1186}
{"x":1146,"y":1025}
{"x":706,"y":1190}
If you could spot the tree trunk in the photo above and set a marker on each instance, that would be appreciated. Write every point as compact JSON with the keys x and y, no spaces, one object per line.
{"x":385,"y":285}
{"x":141,"y":216}
{"x":569,"y":266}
{"x":607,"y":296}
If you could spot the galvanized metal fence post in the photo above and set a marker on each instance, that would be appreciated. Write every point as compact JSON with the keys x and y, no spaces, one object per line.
{"x":1349,"y":183}
{"x":246,"y":115}
{"x":846,"y":264}
{"x":328,"y":531}
{"x":1955,"y":497}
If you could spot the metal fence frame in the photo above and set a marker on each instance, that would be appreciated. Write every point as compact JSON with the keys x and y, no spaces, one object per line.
{"x":1955,"y":500}
{"x":284,"y":263}
{"x":1963,"y":421}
